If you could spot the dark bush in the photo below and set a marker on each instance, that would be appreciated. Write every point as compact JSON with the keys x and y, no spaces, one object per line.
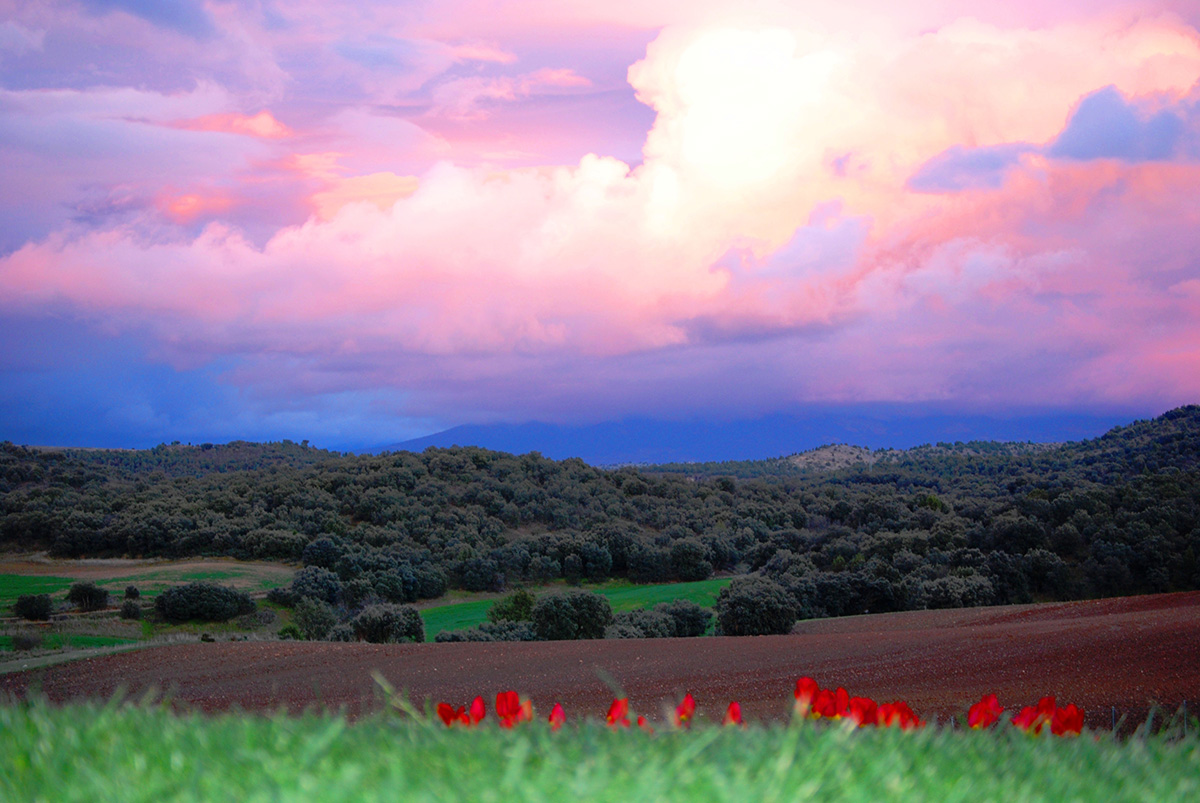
{"x":688,"y":560}
{"x":25,"y":641}
{"x":755,"y":606}
{"x":290,"y":633}
{"x":206,"y":602}
{"x":87,"y":596}
{"x":384,"y":623}
{"x":318,"y":583}
{"x":341,"y":632}
{"x":571,"y":615}
{"x":131,"y":592}
{"x":314,"y":618}
{"x":516,"y":607}
{"x":431,"y":581}
{"x":623,"y":631}
{"x":359,"y":593}
{"x":34,"y":607}
{"x":649,"y":624}
{"x":131,"y":610}
{"x":466,"y":634}
{"x":687,"y":618}
{"x":323,"y":552}
{"x":544,"y":567}
{"x":283,"y":595}
{"x":573,"y":569}
{"x":490,"y":631}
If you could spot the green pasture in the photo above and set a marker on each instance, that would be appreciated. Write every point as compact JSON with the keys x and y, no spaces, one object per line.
{"x":16,"y":585}
{"x":56,"y":641}
{"x":131,"y":753}
{"x":622,"y":595}
{"x":150,"y":582}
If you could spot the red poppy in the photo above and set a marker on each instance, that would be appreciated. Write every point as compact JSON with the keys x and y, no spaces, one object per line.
{"x":449,"y":714}
{"x":1031,"y":719}
{"x":644,"y":724}
{"x":863,"y":711}
{"x":684,"y":711}
{"x":841,"y":702}
{"x":478,"y":711}
{"x":511,"y":710}
{"x":618,"y":713}
{"x":733,"y":715}
{"x":985,"y":712}
{"x":557,"y":717}
{"x":806,"y":693}
{"x":897,"y":714}
{"x":1067,"y":721}
{"x":824,"y":704}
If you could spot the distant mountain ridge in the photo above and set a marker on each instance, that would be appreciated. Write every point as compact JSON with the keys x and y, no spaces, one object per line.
{"x":650,"y":442}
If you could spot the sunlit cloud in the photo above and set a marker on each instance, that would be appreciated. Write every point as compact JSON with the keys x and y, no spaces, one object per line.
{"x":947,"y":202}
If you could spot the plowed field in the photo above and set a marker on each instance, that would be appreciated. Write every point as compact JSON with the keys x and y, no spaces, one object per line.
{"x":1125,"y":654}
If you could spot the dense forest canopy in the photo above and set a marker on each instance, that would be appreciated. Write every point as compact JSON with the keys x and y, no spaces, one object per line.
{"x":936,"y":526}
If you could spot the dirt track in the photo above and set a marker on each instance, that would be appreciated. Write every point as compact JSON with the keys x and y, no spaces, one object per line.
{"x":1125,"y":653}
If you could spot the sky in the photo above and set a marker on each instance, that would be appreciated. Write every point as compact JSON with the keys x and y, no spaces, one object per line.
{"x":362,"y":222}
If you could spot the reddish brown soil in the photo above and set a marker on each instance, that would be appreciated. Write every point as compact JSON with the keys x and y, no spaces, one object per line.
{"x":1126,"y":654}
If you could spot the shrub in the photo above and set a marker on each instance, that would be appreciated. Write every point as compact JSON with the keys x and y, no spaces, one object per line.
{"x":318,"y":583}
{"x":283,"y":595}
{"x":131,"y":610}
{"x":24,"y":641}
{"x":641,"y":624}
{"x":323,"y":552}
{"x":623,"y":631}
{"x":516,"y":607}
{"x":688,"y":619}
{"x":34,"y":607}
{"x":290,"y":633}
{"x":755,"y":606}
{"x":689,"y":561}
{"x":491,"y":631}
{"x":358,"y":593}
{"x":571,"y":615}
{"x":87,"y":596}
{"x":206,"y":602}
{"x":314,"y":618}
{"x":341,"y":632}
{"x":573,"y":569}
{"x":386,"y":622}
{"x":131,"y":592}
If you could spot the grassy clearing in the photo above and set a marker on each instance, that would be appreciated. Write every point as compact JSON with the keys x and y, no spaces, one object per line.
{"x":69,"y":641}
{"x":151,"y":578}
{"x":136,"y":753}
{"x":16,"y":585}
{"x":621,"y":594}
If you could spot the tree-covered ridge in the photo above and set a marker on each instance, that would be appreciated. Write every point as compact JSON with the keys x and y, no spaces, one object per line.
{"x":944,"y":525}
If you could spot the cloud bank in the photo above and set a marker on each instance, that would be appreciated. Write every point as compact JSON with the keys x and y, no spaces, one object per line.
{"x":950,"y":203}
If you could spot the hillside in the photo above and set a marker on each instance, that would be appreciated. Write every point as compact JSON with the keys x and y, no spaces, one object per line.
{"x":843,"y":531}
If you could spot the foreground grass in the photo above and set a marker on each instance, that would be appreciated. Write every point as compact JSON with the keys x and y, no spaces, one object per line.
{"x":621,"y":594}
{"x":131,"y":753}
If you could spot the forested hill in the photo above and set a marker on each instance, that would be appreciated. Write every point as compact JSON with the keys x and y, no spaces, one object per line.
{"x":1167,"y":441}
{"x":943,"y":525}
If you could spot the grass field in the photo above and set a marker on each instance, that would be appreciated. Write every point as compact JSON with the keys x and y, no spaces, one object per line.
{"x":16,"y":585}
{"x":622,"y":595}
{"x":151,"y":580}
{"x":136,"y":753}
{"x":57,"y":641}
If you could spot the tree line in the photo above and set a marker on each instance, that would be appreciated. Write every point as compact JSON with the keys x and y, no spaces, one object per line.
{"x":943,"y":525}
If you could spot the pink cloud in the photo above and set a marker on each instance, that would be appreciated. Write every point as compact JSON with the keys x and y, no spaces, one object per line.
{"x":772,"y":226}
{"x":262,"y":125}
